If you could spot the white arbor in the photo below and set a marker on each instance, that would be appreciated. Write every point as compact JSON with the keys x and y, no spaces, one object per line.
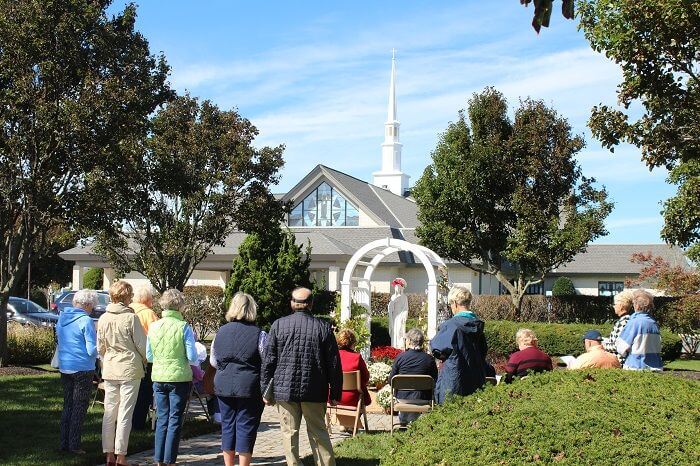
{"x":357,"y":288}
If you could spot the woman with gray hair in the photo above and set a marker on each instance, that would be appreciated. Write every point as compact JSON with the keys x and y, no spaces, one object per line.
{"x":171,"y":349}
{"x":236,"y":353}
{"x":413,"y":361}
{"x":623,"y":308}
{"x":77,"y":352}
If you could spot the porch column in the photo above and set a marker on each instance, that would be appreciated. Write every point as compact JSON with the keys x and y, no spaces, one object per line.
{"x":107,"y":278}
{"x":333,"y":278}
{"x":77,"y":277}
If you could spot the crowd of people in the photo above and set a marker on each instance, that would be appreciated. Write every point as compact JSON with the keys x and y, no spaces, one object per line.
{"x":298,"y":367}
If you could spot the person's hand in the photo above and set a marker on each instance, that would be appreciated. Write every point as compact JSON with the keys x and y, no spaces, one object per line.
{"x":267,"y":403}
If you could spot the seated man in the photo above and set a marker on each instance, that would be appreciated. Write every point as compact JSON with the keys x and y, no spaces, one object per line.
{"x":413,"y":361}
{"x":595,"y":356}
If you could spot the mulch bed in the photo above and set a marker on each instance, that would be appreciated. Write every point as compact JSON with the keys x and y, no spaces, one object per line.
{"x":17,"y":370}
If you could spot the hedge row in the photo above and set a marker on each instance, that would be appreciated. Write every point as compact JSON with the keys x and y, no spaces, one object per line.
{"x":27,"y":344}
{"x":561,"y":339}
{"x":554,"y":339}
{"x":605,"y":417}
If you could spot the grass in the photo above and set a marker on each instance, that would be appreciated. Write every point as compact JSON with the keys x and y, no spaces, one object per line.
{"x":684,"y":365}
{"x":30,"y":408}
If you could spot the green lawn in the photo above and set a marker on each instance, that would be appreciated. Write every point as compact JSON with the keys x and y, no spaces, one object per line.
{"x":684,"y":365}
{"x":30,"y":412}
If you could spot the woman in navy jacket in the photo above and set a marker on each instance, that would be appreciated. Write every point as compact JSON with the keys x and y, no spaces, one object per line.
{"x":237,"y":355}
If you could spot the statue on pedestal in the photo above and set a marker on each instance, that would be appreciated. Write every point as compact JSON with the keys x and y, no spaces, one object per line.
{"x":398,"y":313}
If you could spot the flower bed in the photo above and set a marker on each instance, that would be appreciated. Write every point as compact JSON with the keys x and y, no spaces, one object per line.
{"x":379,"y":374}
{"x":385,"y":354}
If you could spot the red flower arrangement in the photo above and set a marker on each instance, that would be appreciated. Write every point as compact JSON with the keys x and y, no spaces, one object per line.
{"x":385,"y":353}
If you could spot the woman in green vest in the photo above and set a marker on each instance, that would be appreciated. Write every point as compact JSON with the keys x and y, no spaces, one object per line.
{"x":171,"y":349}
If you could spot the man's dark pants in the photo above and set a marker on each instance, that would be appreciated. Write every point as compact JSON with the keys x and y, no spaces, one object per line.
{"x":143,"y":401}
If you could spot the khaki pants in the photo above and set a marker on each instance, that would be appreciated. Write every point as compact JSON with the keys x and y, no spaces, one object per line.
{"x":315,"y":416}
{"x":120,"y":399}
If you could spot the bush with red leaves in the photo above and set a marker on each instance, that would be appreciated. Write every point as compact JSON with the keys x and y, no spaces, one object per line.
{"x":385,"y":354}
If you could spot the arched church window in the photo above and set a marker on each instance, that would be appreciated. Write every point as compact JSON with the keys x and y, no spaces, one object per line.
{"x":324,"y":207}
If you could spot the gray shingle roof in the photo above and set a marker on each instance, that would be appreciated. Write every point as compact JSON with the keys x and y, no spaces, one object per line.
{"x":615,"y":258}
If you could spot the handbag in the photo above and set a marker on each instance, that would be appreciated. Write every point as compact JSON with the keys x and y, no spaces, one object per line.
{"x":269,"y":393}
{"x":54,"y":358}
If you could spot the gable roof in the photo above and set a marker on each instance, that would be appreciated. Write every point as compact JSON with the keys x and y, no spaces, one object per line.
{"x":615,"y":258}
{"x":383,"y":206}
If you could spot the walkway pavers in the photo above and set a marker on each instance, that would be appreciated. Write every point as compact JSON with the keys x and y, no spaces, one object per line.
{"x":205,"y":450}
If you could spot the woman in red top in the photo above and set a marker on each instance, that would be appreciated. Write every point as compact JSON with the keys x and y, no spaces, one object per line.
{"x":350,"y":360}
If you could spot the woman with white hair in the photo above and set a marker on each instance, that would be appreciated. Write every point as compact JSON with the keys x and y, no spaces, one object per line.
{"x":171,"y":348}
{"x":461,"y":346}
{"x":77,"y":352}
{"x":529,"y":358}
{"x":623,"y":309}
{"x":237,"y":353}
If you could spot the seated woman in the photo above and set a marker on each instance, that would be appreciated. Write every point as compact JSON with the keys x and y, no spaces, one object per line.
{"x":528,"y":359}
{"x":350,"y":360}
{"x":413,"y":361}
{"x":623,"y":309}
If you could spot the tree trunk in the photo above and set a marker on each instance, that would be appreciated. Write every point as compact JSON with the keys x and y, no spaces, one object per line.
{"x":517,"y":300}
{"x":4,"y":298}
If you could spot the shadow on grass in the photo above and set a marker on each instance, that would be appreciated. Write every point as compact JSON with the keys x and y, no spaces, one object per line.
{"x":31,"y":411}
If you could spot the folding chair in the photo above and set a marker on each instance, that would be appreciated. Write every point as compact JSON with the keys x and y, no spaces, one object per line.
{"x":195,"y":392}
{"x":411,"y":382}
{"x":351,"y":382}
{"x":99,"y":387}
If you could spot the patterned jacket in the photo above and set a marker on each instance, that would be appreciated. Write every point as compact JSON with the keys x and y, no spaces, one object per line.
{"x":610,"y":343}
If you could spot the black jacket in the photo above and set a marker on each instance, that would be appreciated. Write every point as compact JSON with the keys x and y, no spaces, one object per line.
{"x":414,"y":362}
{"x":302,"y":356}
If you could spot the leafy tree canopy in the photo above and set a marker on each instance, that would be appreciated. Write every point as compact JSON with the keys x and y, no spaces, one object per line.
{"x":269,"y":267}
{"x":76,"y":90}
{"x":506,"y":197}
{"x":197,"y":178}
{"x":657,"y":45}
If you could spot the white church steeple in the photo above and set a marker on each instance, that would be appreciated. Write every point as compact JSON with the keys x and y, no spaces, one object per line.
{"x":390,"y":176}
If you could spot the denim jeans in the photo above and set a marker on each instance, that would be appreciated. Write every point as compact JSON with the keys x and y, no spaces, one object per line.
{"x":171,"y":400}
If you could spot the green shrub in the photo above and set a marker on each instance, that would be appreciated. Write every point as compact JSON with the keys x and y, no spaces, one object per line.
{"x":27,"y":344}
{"x":605,"y":417}
{"x":561,"y":339}
{"x":93,"y":279}
{"x":563,"y":286}
{"x":204,"y":309}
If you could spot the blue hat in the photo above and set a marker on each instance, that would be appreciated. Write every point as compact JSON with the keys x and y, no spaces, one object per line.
{"x":592,"y":335}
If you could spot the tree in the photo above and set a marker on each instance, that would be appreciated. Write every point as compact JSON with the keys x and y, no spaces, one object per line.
{"x":76,"y":90}
{"x":674,"y":280}
{"x":563,"y":286}
{"x":506,"y":197}
{"x":269,"y":267}
{"x":657,"y":45}
{"x":198,"y":179}
{"x":543,"y":11}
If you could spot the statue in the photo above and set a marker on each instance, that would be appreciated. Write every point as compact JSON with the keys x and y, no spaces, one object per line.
{"x":398,"y":313}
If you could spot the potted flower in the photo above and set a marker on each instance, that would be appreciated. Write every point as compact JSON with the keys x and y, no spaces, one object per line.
{"x":379,"y":374}
{"x":384,"y":398}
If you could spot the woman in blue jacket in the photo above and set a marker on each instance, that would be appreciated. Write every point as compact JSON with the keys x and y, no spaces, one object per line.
{"x":77,"y":352}
{"x":461,"y":346}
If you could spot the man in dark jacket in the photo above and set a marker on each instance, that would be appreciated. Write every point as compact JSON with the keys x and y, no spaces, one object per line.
{"x":302,"y":362}
{"x":461,"y":346}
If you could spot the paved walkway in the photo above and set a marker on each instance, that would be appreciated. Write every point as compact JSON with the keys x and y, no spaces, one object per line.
{"x":206,"y":449}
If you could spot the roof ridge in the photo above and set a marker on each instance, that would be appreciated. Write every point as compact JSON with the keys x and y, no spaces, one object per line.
{"x":374,"y":190}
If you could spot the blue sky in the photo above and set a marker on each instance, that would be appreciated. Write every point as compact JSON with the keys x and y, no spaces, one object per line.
{"x":314,"y":76}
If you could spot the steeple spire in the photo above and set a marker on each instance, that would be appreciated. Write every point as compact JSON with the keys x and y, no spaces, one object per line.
{"x":390,"y":176}
{"x":392,"y":115}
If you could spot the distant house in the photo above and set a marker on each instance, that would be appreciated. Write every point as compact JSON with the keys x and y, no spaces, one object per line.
{"x":338,"y":213}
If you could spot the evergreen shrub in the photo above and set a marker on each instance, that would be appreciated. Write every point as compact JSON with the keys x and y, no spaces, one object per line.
{"x":27,"y":344}
{"x":93,"y":279}
{"x":563,"y":286}
{"x":605,"y":417}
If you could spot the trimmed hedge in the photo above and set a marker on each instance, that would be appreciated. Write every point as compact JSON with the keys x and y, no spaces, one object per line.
{"x":554,"y":339}
{"x":27,"y":344}
{"x":605,"y":417}
{"x":561,"y":339}
{"x":93,"y":279}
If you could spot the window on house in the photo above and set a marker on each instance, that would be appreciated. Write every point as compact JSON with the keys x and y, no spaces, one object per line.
{"x":537,"y":288}
{"x":610,"y":288}
{"x":324,"y":207}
